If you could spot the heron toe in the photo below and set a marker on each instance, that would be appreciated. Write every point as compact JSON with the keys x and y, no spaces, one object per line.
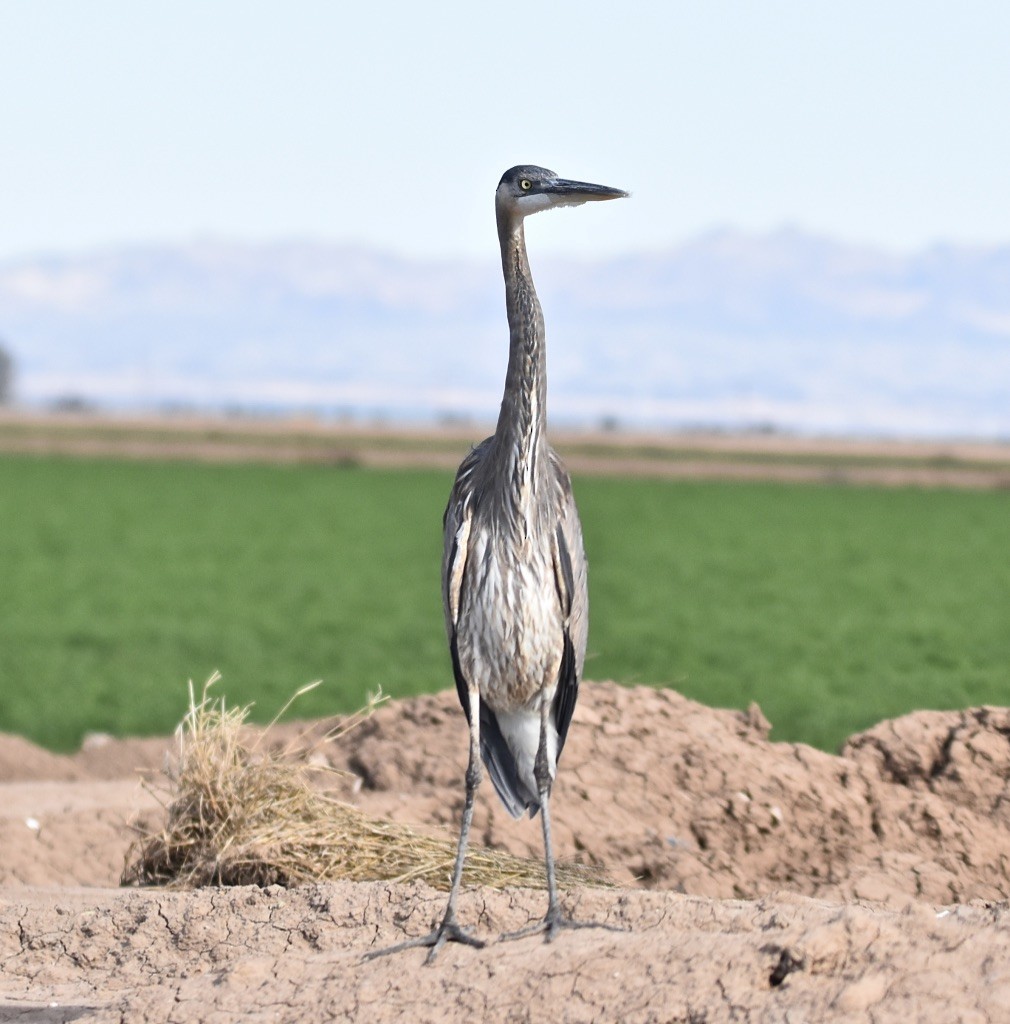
{"x":553,"y":922}
{"x":447,"y":931}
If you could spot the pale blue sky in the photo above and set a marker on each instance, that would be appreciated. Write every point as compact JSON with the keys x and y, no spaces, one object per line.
{"x":390,"y":123}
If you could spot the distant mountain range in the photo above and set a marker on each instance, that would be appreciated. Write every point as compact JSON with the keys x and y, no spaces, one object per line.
{"x":785,"y":331}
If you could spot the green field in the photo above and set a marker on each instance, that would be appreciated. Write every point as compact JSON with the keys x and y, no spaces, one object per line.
{"x":830,"y":606}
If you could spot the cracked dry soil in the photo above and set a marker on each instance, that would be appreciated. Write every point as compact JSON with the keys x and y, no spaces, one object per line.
{"x":756,"y":881}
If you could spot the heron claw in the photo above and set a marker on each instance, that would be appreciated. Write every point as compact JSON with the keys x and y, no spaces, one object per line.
{"x":447,"y":931}
{"x":552,"y":923}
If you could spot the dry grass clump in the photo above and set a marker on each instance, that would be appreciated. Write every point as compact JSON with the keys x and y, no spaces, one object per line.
{"x":240,"y":813}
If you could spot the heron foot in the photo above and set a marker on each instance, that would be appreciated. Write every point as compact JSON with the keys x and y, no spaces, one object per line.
{"x":553,"y":922}
{"x":448,"y":931}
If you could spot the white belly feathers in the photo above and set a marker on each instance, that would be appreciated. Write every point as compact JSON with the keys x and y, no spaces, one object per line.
{"x":510,"y":630}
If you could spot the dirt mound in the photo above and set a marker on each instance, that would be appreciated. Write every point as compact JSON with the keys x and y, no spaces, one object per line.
{"x":103,"y":757}
{"x":667,"y":793}
{"x":786,"y":883}
{"x":21,"y":761}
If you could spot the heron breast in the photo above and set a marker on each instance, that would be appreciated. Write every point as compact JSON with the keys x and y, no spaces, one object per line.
{"x":510,"y":631}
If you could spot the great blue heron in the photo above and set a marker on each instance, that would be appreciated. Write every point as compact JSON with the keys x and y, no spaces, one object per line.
{"x":514,"y":571}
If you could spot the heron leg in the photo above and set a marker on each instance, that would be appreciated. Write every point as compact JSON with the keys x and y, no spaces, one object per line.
{"x":450,"y":930}
{"x":554,"y":919}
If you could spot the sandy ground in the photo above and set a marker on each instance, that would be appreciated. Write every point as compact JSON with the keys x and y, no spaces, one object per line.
{"x":755,"y":881}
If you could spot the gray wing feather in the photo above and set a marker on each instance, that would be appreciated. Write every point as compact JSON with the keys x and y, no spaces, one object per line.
{"x":494,"y":751}
{"x":574,"y":595}
{"x":455,"y":528}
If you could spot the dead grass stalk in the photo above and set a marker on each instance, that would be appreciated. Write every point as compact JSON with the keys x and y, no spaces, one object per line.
{"x":239,"y":812}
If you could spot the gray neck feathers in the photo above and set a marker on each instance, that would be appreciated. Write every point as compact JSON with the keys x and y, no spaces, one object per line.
{"x":519,"y":436}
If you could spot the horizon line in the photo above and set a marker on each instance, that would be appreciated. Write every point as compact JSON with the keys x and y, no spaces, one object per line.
{"x":224,"y":239}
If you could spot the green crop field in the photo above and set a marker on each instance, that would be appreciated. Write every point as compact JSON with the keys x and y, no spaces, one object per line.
{"x":831,"y":607}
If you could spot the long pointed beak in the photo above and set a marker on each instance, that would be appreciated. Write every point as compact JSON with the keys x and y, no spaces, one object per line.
{"x":582,"y":191}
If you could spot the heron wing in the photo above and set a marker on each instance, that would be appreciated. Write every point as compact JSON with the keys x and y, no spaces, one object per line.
{"x":567,"y":692}
{"x":456,"y":530}
{"x":570,"y":580}
{"x":495,"y":752}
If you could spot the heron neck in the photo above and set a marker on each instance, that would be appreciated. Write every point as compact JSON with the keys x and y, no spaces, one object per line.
{"x":523,"y":418}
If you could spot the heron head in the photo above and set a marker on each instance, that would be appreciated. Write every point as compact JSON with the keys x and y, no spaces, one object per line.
{"x":528,"y":189}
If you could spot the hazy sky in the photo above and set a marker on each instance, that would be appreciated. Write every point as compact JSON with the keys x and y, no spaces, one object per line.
{"x":390,"y":123}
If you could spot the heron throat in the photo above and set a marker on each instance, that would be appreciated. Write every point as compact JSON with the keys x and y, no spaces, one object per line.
{"x":520,"y":434}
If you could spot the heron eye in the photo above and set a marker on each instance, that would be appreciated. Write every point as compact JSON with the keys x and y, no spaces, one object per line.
{"x":526,"y":184}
